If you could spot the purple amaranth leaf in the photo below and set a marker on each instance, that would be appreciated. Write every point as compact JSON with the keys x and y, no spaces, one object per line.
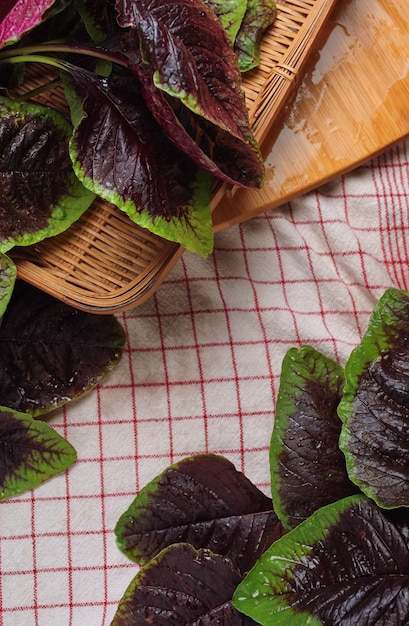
{"x":188,"y":54}
{"x":202,"y":500}
{"x":122,"y":154}
{"x":22,"y":18}
{"x":52,"y":353}
{"x":208,"y":145}
{"x":346,"y":565}
{"x":375,"y":405}
{"x":40,"y":195}
{"x":181,"y":587}
{"x":308,"y":469}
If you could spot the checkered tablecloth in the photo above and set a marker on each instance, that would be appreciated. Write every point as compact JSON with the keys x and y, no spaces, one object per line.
{"x":200,"y":373}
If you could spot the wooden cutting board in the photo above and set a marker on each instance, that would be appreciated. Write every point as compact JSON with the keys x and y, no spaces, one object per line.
{"x":352,"y":103}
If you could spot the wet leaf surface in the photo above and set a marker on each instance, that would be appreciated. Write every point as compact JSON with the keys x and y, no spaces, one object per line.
{"x":347,"y":565}
{"x":204,"y":501}
{"x":375,"y":405}
{"x":51,"y":353}
{"x":40,"y":195}
{"x":31,"y":452}
{"x":182,"y":587}
{"x":307,"y":467}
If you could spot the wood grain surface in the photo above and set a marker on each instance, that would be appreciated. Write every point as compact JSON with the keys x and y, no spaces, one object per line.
{"x":351,"y":104}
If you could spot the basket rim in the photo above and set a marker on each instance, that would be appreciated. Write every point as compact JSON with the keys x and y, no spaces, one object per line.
{"x":285,"y":49}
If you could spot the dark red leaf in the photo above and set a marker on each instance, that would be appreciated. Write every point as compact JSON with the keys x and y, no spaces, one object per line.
{"x":50,"y":352}
{"x":182,"y":587}
{"x":205,"y":501}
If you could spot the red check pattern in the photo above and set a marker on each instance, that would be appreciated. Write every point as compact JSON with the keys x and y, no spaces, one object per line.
{"x":200,"y":373}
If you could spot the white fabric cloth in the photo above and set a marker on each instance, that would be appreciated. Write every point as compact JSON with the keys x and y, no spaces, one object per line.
{"x":200,"y":373}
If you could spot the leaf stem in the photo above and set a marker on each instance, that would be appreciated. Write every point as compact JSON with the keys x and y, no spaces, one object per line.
{"x":29,"y":53}
{"x":38,"y":58}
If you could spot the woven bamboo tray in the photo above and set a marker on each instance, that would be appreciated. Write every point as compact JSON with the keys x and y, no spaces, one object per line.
{"x":105,"y":263}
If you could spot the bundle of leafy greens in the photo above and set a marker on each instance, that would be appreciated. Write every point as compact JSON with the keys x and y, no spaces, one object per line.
{"x":156,"y":112}
{"x":331,"y":547}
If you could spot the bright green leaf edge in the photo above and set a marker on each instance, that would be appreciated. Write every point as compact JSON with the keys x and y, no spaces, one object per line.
{"x":135,"y":511}
{"x":263,"y":593}
{"x":382,"y":329}
{"x":8,"y":275}
{"x":195,"y":232}
{"x":299,"y":365}
{"x":71,"y":205}
{"x":143,"y":503}
{"x":59,"y":454}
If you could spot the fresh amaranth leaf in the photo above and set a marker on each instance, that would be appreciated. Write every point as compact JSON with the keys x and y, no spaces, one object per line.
{"x":260,"y":14}
{"x":123,"y":155}
{"x":22,"y":17}
{"x":182,"y":587}
{"x":202,"y":500}
{"x":208,"y":145}
{"x":307,"y":467}
{"x":40,"y":196}
{"x":31,"y":452}
{"x":5,"y":7}
{"x":347,"y":565}
{"x":52,"y":353}
{"x":230,"y":13}
{"x":375,"y":405}
{"x":8,"y":275}
{"x":187,"y":50}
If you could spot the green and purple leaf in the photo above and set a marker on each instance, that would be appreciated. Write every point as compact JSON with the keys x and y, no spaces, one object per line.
{"x":40,"y":196}
{"x":182,"y":586}
{"x":8,"y":275}
{"x":186,"y":49}
{"x":347,"y":564}
{"x":31,"y":452}
{"x":375,"y":405}
{"x":307,"y":467}
{"x":52,"y":353}
{"x":230,"y":14}
{"x":122,"y":154}
{"x":259,"y":16}
{"x":204,"y":501}
{"x":208,"y":145}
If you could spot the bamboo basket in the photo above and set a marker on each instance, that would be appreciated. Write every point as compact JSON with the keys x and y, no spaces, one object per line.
{"x":105,"y":263}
